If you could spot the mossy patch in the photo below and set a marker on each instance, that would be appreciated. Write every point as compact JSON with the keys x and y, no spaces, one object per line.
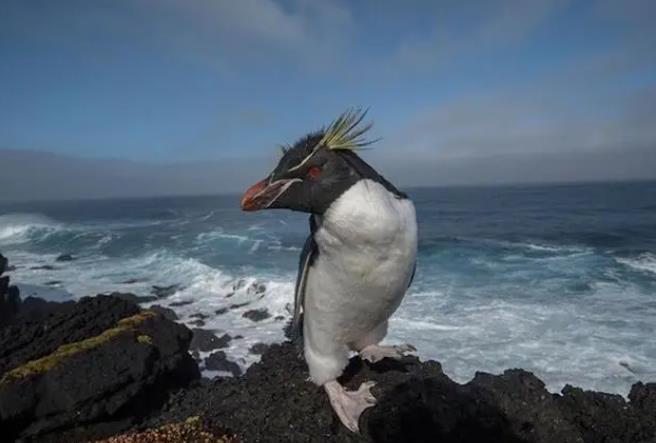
{"x":145,"y":339}
{"x":44,"y":364}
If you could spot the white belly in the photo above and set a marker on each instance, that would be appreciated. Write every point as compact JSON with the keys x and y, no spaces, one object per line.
{"x":367,"y":244}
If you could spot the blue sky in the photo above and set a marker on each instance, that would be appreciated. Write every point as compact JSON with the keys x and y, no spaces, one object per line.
{"x":166,"y":81}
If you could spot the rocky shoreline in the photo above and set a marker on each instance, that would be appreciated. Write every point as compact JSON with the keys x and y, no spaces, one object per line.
{"x":103,"y":368}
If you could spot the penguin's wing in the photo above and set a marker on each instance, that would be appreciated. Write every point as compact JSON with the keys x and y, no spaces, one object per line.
{"x":307,"y":258}
{"x":308,"y":254}
{"x":414,"y":271}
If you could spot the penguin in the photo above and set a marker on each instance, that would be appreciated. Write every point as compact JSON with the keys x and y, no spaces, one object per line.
{"x":358,"y":260}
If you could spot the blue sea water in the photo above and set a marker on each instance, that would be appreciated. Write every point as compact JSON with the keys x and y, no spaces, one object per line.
{"x":559,"y":280}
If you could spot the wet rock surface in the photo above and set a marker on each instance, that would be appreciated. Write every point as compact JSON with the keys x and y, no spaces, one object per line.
{"x":165,"y":291}
{"x":205,"y":340}
{"x":257,"y":314}
{"x":181,"y":303}
{"x":128,"y":296}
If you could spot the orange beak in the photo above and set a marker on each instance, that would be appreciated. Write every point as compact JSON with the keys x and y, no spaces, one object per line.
{"x":250,"y":200}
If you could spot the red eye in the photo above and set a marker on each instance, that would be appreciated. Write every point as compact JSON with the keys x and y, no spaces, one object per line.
{"x":314,"y":172}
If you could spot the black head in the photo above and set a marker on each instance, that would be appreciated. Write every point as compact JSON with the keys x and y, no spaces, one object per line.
{"x":308,"y":178}
{"x":316,"y":170}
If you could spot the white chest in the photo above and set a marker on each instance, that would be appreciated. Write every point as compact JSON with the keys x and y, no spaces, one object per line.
{"x":367,"y":244}
{"x":368,"y":222}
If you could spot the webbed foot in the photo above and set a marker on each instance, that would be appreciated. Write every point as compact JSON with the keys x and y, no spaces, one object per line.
{"x":375,"y":353}
{"x":349,"y":405}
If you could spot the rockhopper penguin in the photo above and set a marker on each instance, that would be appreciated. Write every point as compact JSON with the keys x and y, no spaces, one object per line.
{"x":356,"y":264}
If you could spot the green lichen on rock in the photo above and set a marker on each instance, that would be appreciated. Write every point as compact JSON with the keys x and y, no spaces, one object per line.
{"x":46,"y":363}
{"x":145,"y":339}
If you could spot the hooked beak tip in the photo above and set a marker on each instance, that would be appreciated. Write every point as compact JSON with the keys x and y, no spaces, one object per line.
{"x":249,"y":201}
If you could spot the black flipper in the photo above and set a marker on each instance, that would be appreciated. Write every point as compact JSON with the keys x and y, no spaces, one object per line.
{"x":412,"y":277}
{"x":308,"y":255}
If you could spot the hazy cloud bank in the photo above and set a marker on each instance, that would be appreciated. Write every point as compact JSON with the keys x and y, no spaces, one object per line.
{"x":43,"y":176}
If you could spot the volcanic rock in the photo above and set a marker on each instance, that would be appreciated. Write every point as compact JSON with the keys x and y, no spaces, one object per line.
{"x":128,"y":296}
{"x":165,"y":291}
{"x":43,"y":268}
{"x":417,"y":402}
{"x":9,"y":295}
{"x":88,"y":368}
{"x":258,"y":348}
{"x":221,"y":311}
{"x":256,"y":289}
{"x":165,"y":312}
{"x":205,"y":340}
{"x":181,"y":303}
{"x":257,"y":314}
{"x":218,"y":361}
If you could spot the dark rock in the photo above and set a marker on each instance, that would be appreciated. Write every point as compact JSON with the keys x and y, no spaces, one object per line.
{"x":528,"y":410}
{"x":237,"y":337}
{"x":238,"y":305}
{"x":181,"y":303}
{"x":256,"y":289}
{"x":606,"y":417}
{"x":53,"y":283}
{"x":217,"y":361}
{"x":279,"y":317}
{"x":256,"y":314}
{"x":165,"y":291}
{"x":34,"y":309}
{"x":4,"y":264}
{"x":205,"y":340}
{"x":198,"y":323}
{"x":199,"y":315}
{"x":221,"y":311}
{"x":643,"y":396}
{"x":165,"y":312}
{"x":132,"y":281}
{"x":9,"y":296}
{"x":89,"y":369}
{"x":417,"y":402}
{"x":65,"y":258}
{"x":9,"y":302}
{"x":128,"y":296}
{"x":45,"y":326}
{"x":4,"y":285}
{"x":258,"y":348}
{"x":43,"y":268}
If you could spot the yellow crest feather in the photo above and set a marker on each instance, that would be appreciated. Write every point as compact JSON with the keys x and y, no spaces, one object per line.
{"x":345,"y":132}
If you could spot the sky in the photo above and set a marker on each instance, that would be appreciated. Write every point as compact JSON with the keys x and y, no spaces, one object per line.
{"x":458,"y":91}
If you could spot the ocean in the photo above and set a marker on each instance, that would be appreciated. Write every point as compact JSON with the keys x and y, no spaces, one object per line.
{"x":558,"y":280}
